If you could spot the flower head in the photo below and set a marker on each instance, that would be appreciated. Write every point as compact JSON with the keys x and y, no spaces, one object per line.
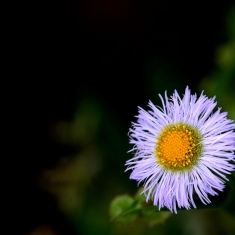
{"x":181,"y":149}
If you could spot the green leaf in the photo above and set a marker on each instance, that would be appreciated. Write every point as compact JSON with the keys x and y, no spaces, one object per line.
{"x":139,"y":196}
{"x":124,"y":209}
{"x":154,"y":216}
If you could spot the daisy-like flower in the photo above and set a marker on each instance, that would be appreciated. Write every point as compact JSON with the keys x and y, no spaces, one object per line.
{"x":182,"y":149}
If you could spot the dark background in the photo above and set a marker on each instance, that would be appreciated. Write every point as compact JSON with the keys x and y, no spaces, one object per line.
{"x":90,"y":64}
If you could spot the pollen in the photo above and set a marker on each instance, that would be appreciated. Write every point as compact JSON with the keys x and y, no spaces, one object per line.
{"x":178,"y":147}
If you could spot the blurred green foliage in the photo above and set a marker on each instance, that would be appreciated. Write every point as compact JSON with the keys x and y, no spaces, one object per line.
{"x":221,"y":81}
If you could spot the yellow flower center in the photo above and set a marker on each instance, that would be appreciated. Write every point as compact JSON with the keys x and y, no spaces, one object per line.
{"x":178,"y":147}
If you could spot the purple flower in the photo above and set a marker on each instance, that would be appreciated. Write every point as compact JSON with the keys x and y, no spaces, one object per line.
{"x":181,"y":149}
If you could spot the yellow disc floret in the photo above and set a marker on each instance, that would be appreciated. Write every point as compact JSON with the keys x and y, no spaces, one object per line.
{"x":178,"y":147}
